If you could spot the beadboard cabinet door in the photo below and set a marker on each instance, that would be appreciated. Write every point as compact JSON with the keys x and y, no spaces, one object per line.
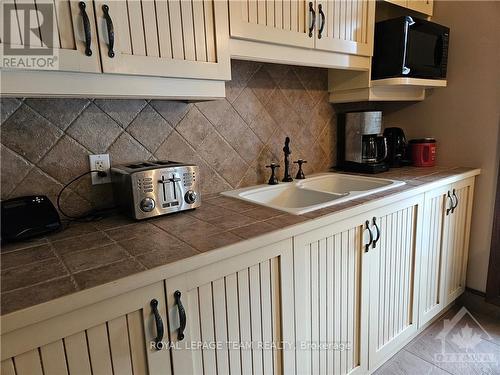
{"x":286,"y":22}
{"x":331,"y":299}
{"x":168,"y":38}
{"x":58,"y":25}
{"x":109,"y":337}
{"x":345,"y":26}
{"x":433,"y":257}
{"x":237,"y":313}
{"x":394,"y":279}
{"x":456,"y":238}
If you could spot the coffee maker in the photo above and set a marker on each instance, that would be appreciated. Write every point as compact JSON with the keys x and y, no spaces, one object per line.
{"x":360,"y":146}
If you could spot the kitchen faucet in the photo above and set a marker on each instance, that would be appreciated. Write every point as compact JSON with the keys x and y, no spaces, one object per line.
{"x":288,"y":152}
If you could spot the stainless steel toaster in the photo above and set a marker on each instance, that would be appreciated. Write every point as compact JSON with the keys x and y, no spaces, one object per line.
{"x":151,"y":188}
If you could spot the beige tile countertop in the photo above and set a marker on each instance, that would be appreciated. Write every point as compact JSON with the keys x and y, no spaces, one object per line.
{"x":85,"y":255}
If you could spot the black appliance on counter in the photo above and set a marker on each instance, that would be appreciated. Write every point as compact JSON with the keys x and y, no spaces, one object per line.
{"x":360,"y":146}
{"x":28,"y":216}
{"x":410,"y":47}
{"x":397,"y":148}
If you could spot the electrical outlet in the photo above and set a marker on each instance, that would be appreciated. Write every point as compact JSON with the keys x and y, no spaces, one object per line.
{"x":100,"y":163}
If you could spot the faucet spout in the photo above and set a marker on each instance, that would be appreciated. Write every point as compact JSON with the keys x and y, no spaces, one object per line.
{"x":286,"y":150}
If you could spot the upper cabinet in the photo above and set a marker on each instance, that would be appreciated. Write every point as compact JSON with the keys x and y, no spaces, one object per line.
{"x":288,"y":22}
{"x":146,"y":45}
{"x":329,"y":33}
{"x":346,"y":26}
{"x":186,"y":39}
{"x":421,"y":6}
{"x":67,"y":29}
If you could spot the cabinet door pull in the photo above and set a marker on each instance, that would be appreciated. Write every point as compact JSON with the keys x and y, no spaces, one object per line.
{"x":456,"y":202}
{"x":313,"y":18}
{"x":378,"y":232}
{"x":86,"y":28}
{"x":448,"y":210}
{"x":367,"y":246}
{"x":322,"y":24}
{"x":182,"y":316}
{"x":158,"y":322}
{"x":111,"y":31}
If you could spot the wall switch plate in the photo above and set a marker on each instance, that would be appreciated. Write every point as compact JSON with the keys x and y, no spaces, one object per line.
{"x":100,"y":163}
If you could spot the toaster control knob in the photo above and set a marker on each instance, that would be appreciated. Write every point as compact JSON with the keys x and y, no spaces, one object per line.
{"x":148,"y":204}
{"x":190,"y":196}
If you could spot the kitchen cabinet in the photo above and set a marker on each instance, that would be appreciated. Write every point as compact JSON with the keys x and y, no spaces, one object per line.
{"x":357,"y":290}
{"x":145,"y":48}
{"x":281,"y":22}
{"x":110,"y":337}
{"x":456,"y":238}
{"x":346,"y":26}
{"x":185,"y":39}
{"x":433,"y":260}
{"x":243,"y":305}
{"x":394,"y":278}
{"x":421,"y":6}
{"x":339,"y":294}
{"x":326,"y":33}
{"x":73,"y":28}
{"x":446,"y":232}
{"x":331,"y":299}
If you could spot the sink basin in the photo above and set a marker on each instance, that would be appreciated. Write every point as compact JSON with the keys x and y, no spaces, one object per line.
{"x":313,"y":193}
{"x":342,"y":183}
{"x":288,"y":196}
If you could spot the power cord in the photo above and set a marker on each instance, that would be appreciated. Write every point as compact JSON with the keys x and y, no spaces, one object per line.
{"x":92,"y":214}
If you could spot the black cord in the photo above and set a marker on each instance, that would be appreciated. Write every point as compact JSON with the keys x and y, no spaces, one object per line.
{"x":86,"y":215}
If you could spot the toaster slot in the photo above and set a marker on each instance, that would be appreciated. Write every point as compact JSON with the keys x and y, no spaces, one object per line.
{"x":169,"y":191}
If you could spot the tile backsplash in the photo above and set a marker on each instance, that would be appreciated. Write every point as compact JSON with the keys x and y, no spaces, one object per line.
{"x":46,"y":142}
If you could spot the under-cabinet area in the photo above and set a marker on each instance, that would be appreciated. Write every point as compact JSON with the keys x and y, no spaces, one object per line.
{"x":338,"y":292}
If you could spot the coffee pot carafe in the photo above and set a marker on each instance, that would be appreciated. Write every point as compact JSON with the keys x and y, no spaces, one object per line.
{"x":374,"y":148}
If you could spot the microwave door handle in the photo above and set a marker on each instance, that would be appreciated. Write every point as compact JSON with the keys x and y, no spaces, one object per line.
{"x":409,"y":22}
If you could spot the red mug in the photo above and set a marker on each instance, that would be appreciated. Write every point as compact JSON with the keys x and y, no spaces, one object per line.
{"x":423,"y":152}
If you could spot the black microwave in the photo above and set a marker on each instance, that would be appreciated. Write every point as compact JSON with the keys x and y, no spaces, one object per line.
{"x":410,"y":47}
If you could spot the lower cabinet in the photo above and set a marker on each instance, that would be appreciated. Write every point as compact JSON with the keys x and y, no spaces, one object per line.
{"x":331,"y":305}
{"x":394,"y":278}
{"x":109,"y":337}
{"x":233,"y":316}
{"x":340,"y":299}
{"x":456,"y":238}
{"x":446,"y":229}
{"x":354,"y":287}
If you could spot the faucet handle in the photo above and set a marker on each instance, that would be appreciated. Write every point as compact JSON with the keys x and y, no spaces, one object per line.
{"x":300,"y":172}
{"x":273,"y":180}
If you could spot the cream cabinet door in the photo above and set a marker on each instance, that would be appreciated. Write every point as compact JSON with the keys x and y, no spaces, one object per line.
{"x":456,"y":238}
{"x":433,"y":256}
{"x":331,"y":300}
{"x":110,"y":337}
{"x":168,"y":38}
{"x":232,"y":317}
{"x":288,"y":22}
{"x":61,"y":29}
{"x":393,"y":278}
{"x":346,"y":26}
{"x":422,"y":6}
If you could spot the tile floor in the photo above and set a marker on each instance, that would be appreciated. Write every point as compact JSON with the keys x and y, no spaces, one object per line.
{"x":472,"y":339}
